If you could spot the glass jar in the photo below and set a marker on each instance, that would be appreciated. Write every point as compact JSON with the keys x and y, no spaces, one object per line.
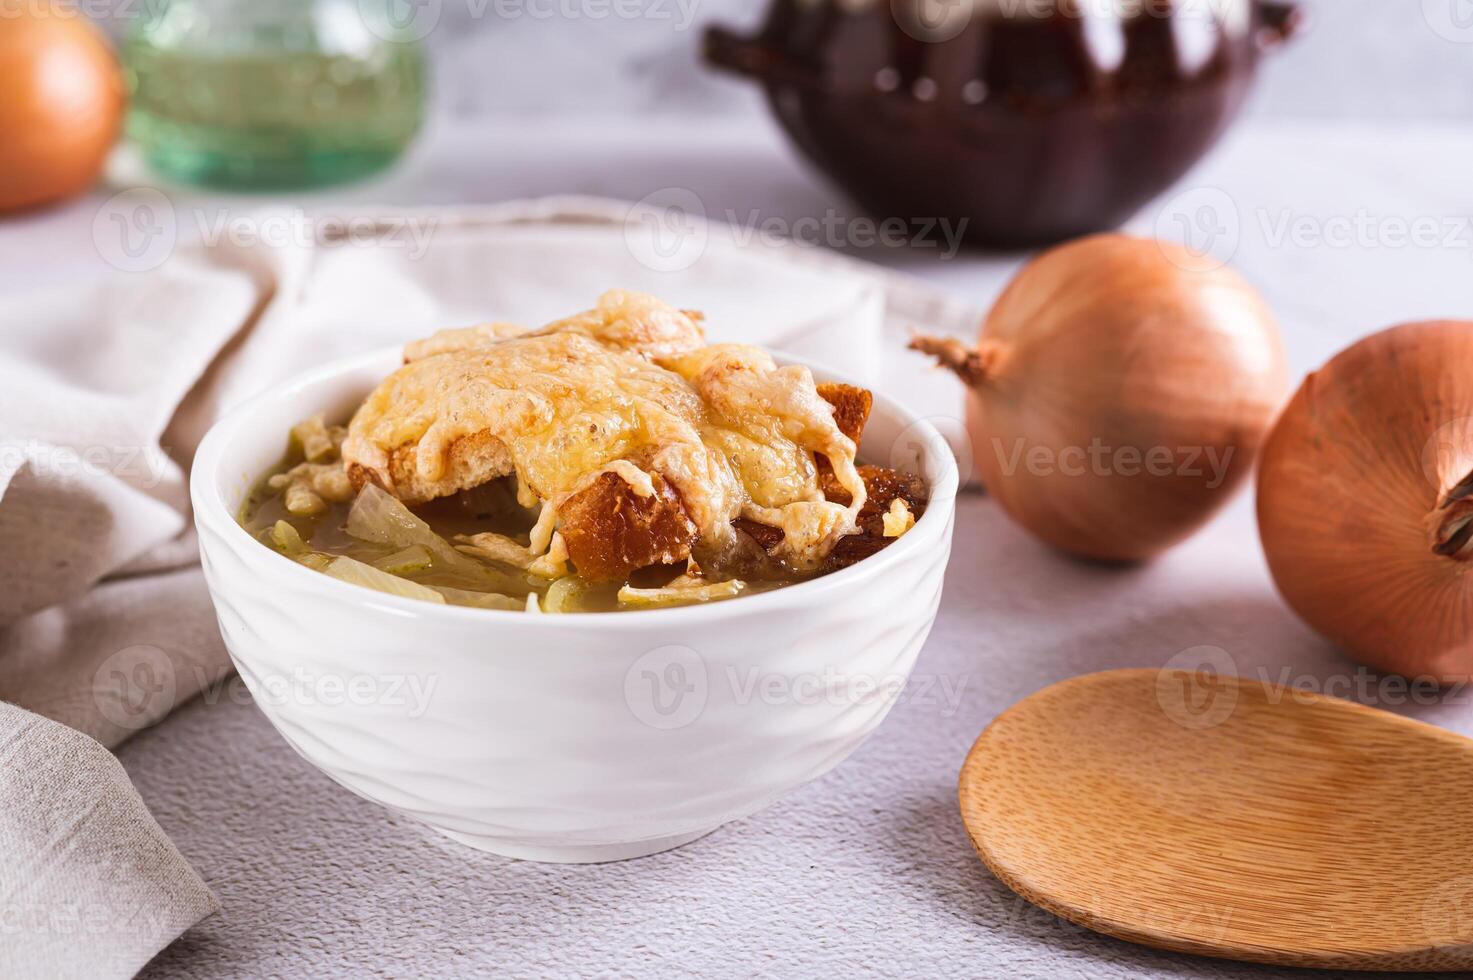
{"x":273,"y":93}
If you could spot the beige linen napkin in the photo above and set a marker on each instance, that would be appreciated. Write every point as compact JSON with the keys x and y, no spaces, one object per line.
{"x":91,"y":886}
{"x":105,"y":624}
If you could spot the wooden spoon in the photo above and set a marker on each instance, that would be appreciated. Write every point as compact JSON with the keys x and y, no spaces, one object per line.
{"x":1218,"y":815}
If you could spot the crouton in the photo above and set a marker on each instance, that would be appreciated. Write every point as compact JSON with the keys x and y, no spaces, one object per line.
{"x":611,"y":531}
{"x":851,"y":407}
{"x":851,"y":412}
{"x":473,"y":460}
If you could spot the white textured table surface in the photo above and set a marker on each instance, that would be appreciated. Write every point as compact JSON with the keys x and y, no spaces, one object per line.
{"x":867,"y":870}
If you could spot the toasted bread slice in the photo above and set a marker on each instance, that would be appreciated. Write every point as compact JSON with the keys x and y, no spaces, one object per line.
{"x":611,"y":531}
{"x":474,"y":460}
{"x":851,"y":413}
{"x":851,"y":407}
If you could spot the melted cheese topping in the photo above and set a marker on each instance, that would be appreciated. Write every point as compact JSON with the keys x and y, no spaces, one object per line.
{"x":898,"y":519}
{"x":629,"y":388}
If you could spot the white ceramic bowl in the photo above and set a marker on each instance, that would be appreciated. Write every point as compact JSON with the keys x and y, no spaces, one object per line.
{"x":586,"y":737}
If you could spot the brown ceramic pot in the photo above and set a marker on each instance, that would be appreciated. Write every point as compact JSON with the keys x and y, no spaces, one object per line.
{"x":1034,"y":120}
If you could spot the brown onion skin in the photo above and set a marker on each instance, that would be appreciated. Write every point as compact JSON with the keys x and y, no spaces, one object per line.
{"x":61,"y":105}
{"x":1351,"y":495}
{"x":1134,"y":343}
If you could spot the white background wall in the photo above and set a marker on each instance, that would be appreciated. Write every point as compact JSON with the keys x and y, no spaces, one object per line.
{"x":1378,"y":59}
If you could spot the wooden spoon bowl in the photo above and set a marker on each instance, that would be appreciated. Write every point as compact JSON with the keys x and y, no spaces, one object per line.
{"x":1222,"y":816}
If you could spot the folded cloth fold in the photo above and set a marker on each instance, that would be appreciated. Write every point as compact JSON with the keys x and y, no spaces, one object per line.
{"x":119,"y":658}
{"x":90,"y":888}
{"x":88,"y":384}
